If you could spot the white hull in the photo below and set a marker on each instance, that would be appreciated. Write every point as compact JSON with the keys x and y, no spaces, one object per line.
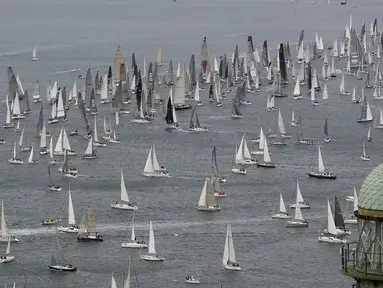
{"x":238,"y":171}
{"x":301,"y":205}
{"x":340,"y":232}
{"x":16,"y":161}
{"x":247,"y":162}
{"x":5,"y":239}
{"x":99,"y":144}
{"x":220,"y":194}
{"x":71,"y":176}
{"x":89,"y":156}
{"x":260,"y":152}
{"x":134,"y":245}
{"x":9,"y":125}
{"x":192,"y":281}
{"x":123,"y":206}
{"x":16,"y":117}
{"x":280,"y":216}
{"x":330,"y":239}
{"x":62,"y":153}
{"x":156,"y":174}
{"x":67,"y":229}
{"x":141,"y":121}
{"x":365,"y":158}
{"x":115,"y":141}
{"x":236,"y":116}
{"x":152,"y":258}
{"x":296,"y":223}
{"x":233,"y":268}
{"x":7,"y":259}
{"x":54,"y":188}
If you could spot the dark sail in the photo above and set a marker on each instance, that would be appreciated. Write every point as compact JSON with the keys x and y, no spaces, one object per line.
{"x":301,"y":38}
{"x":282,"y":65}
{"x":83,"y":113}
{"x":338,"y":217}
{"x":265,"y":55}
{"x":133,"y":63}
{"x":40,"y":121}
{"x":192,"y":70}
{"x":138,"y":93}
{"x":169,"y":112}
{"x":97,"y":82}
{"x":309,"y":76}
{"x":88,"y":86}
{"x":204,"y":56}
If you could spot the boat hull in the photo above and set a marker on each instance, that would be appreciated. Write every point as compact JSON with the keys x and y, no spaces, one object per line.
{"x":63,"y":268}
{"x":155,"y":258}
{"x":141,"y":121}
{"x":67,"y":229}
{"x":350,"y":221}
{"x":192,"y":281}
{"x":7,"y":259}
{"x":280,"y":216}
{"x":5,"y":239}
{"x":266,"y":165}
{"x":232,"y":268}
{"x":238,"y":171}
{"x":155,"y":174}
{"x":330,"y":239}
{"x":133,"y":245}
{"x":16,"y":161}
{"x":182,"y":106}
{"x":295,"y":223}
{"x":322,"y":176}
{"x":301,"y":205}
{"x":123,"y":206}
{"x":87,"y":239}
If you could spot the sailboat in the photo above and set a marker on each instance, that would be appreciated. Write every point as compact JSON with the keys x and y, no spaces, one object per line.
{"x":196,"y":127}
{"x":96,"y":142}
{"x":298,"y":220}
{"x":235,"y":112}
{"x":207,"y":200}
{"x":8,"y":124}
{"x":152,"y":167}
{"x":243,"y":156}
{"x":90,"y":152}
{"x":143,"y":117}
{"x":228,"y":259}
{"x":159,"y":58}
{"x":71,"y":227}
{"x":30,"y":159}
{"x":297,"y":91}
{"x":15,"y":159}
{"x":134,"y":243}
{"x":365,"y":115}
{"x":88,"y":230}
{"x":302,"y":203}
{"x":354,"y":200}
{"x":282,"y":213}
{"x":52,"y":160}
{"x":4,"y":233}
{"x":338,"y":219}
{"x":51,"y":186}
{"x":35,"y":56}
{"x":326,"y":137}
{"x":193,"y":279}
{"x":261,"y":143}
{"x":6,"y":258}
{"x":331,"y":235}
{"x":235,"y":169}
{"x":266,"y":157}
{"x":152,"y":254}
{"x":36,"y":93}
{"x":369,"y":139}
{"x":217,"y":187}
{"x":124,"y":203}
{"x":171,"y":115}
{"x":365,"y":157}
{"x":314,"y":102}
{"x":320,"y":172}
{"x":214,"y":166}
{"x":58,"y":262}
{"x":196,"y":94}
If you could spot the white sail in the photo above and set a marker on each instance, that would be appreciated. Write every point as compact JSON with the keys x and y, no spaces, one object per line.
{"x":104,"y":88}
{"x":321,"y":168}
{"x":228,"y":252}
{"x":8,"y":115}
{"x":149,"y":168}
{"x":152,"y":243}
{"x":196,"y":93}
{"x":4,"y":229}
{"x":298,"y":212}
{"x":30,"y":159}
{"x":16,"y":105}
{"x":89,"y":148}
{"x":124,"y":192}
{"x":342,"y":84}
{"x":368,"y":112}
{"x":60,"y":105}
{"x":239,"y":157}
{"x":299,"y":194}
{"x":331,"y":229}
{"x":51,"y":148}
{"x":261,"y":140}
{"x":8,"y":251}
{"x":114,"y":284}
{"x":297,"y":89}
{"x":282,"y":207}
{"x":202,"y":198}
{"x":266,"y":153}
{"x":281,"y":125}
{"x":156,"y":164}
{"x":21,"y":139}
{"x":71,"y":217}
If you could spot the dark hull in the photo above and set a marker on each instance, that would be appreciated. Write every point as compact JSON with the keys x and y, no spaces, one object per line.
{"x":85,"y":239}
{"x":73,"y":269}
{"x":322,"y":176}
{"x":265,"y":165}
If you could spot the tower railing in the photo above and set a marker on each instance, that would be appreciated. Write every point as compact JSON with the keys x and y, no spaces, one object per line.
{"x":361,"y":264}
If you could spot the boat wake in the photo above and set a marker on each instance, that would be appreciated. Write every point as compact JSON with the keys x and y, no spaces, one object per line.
{"x":67,"y":71}
{"x":159,"y":225}
{"x":219,"y":117}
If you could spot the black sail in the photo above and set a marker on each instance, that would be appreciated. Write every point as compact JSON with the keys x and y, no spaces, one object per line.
{"x":282,"y":64}
{"x":169,"y":112}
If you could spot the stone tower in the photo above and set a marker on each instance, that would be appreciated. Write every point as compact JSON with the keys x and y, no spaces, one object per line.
{"x":363,"y":259}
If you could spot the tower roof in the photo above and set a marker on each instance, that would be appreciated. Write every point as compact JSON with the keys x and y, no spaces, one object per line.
{"x":370,"y":200}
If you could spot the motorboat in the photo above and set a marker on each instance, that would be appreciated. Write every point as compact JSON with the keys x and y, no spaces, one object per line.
{"x":124,"y":205}
{"x":297,"y":223}
{"x":48,"y":222}
{"x":241,"y":171}
{"x":192,"y":280}
{"x":135,"y":244}
{"x":63,"y":267}
{"x":16,"y":161}
{"x":69,"y":229}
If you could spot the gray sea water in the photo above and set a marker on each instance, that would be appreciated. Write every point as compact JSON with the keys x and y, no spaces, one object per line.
{"x":70,"y":34}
